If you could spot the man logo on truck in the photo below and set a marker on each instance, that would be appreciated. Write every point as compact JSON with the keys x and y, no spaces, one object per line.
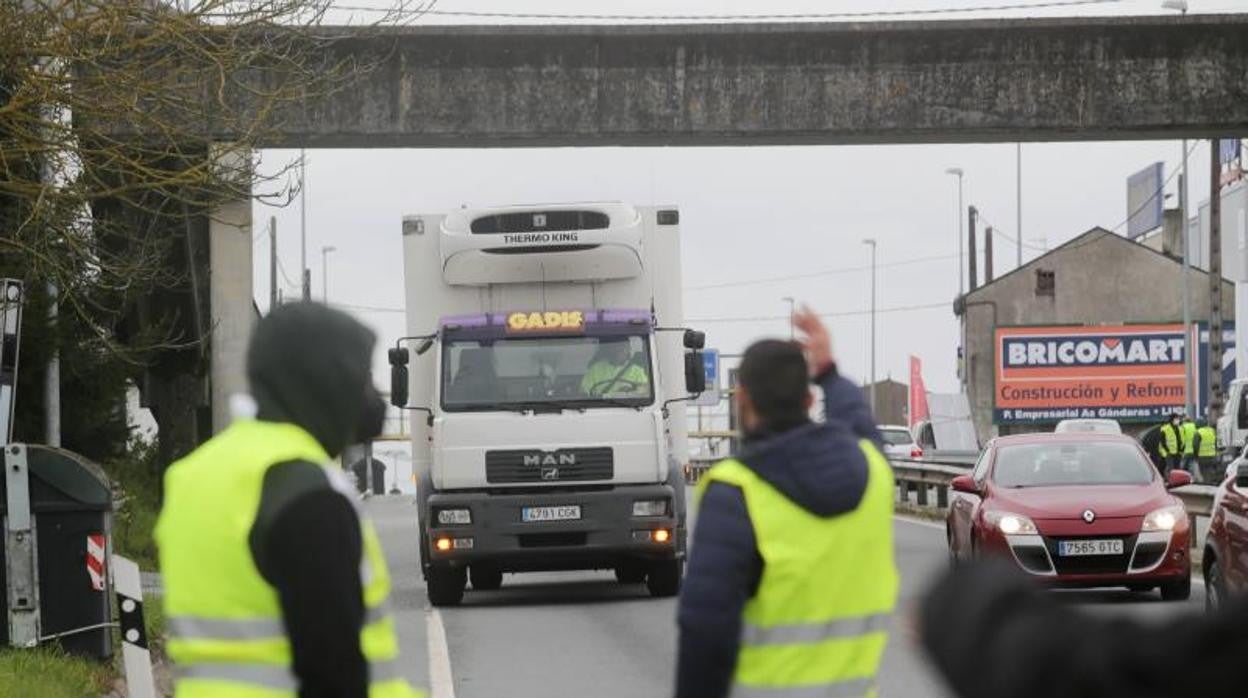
{"x":550,"y":459}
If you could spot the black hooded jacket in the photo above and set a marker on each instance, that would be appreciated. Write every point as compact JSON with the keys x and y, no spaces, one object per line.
{"x":821,"y":468}
{"x":309,"y":366}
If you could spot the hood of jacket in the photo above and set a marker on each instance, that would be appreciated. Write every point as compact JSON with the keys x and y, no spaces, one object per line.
{"x":310,"y":365}
{"x":820,"y":467}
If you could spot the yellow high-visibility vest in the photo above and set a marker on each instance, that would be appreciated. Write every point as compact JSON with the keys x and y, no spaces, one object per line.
{"x":819,"y":622}
{"x":224,"y":621}
{"x":1208,"y":442}
{"x":1169,"y":440}
{"x":1187,"y":430}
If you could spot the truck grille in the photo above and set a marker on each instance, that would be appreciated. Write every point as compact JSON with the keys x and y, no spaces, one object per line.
{"x":566,"y":465}
{"x":540,"y":221}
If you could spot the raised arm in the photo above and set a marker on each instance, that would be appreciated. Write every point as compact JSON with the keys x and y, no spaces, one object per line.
{"x":843,"y":400}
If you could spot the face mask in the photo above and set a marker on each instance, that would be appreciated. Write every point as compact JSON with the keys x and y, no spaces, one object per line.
{"x":372,"y":417}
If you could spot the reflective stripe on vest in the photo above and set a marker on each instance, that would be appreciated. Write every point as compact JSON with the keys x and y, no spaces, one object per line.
{"x":226,"y":635}
{"x":854,"y":688}
{"x":817,"y":624}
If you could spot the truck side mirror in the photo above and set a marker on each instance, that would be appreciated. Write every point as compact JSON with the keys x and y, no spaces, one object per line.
{"x":398,"y":376}
{"x":695,"y":373}
{"x":694,"y":339}
{"x":424,"y":346}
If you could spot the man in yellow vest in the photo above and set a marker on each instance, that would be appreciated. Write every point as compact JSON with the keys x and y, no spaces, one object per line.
{"x":1187,"y":434}
{"x":1171,"y":444}
{"x":275,"y":585}
{"x":1206,"y":447}
{"x":792,"y":581}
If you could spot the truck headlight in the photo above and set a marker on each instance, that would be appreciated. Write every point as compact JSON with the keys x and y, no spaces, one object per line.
{"x":1164,"y":519}
{"x":454,"y":517}
{"x":650,"y":507}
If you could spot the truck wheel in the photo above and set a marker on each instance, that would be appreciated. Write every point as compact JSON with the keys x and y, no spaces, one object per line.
{"x":445,"y":585}
{"x":485,"y":578}
{"x":663,"y":578}
{"x":1179,"y":590}
{"x":630,"y":573}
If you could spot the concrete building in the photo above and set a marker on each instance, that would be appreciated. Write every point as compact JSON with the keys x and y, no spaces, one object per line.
{"x":892,"y":401}
{"x":1098,"y":278}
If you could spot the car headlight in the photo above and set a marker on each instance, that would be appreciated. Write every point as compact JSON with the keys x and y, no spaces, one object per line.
{"x":1012,"y":524}
{"x":454,"y":517}
{"x":1164,"y":519}
{"x":650,"y":507}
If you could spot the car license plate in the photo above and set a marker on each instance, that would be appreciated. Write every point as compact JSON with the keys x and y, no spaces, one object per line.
{"x":570,"y":512}
{"x":1076,"y":548}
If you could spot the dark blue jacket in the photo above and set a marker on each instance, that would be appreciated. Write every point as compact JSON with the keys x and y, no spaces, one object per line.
{"x":822,"y":469}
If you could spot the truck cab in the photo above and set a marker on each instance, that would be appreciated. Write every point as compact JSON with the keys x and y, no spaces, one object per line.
{"x":550,"y":363}
{"x":1233,"y":425}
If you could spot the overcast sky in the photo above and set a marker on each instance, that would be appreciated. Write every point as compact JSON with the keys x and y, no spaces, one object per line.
{"x":746,"y":213}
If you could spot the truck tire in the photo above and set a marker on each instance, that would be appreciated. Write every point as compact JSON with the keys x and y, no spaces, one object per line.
{"x":1179,"y":590}
{"x":445,"y":585}
{"x":485,"y":578}
{"x":630,"y":573}
{"x":664,"y":577}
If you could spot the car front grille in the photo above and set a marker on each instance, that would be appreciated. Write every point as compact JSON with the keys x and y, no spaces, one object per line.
{"x":1091,"y":564}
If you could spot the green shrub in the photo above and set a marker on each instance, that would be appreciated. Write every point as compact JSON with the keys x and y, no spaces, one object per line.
{"x":136,"y":480}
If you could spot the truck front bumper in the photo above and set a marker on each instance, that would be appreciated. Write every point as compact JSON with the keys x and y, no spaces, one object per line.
{"x":606,"y":534}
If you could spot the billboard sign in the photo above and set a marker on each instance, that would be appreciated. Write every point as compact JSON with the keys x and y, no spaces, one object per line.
{"x":1131,"y":373}
{"x":1144,"y":200}
{"x":710,"y":364}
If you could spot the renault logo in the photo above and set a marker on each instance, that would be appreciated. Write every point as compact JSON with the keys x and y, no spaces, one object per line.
{"x":1089,"y":516}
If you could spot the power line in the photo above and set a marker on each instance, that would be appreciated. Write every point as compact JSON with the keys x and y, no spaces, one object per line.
{"x":847,"y":313}
{"x":817,"y":274}
{"x":477,"y":14}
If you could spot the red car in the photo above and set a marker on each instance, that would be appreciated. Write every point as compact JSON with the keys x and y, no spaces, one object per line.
{"x":1225,"y":563}
{"x":1074,"y":510}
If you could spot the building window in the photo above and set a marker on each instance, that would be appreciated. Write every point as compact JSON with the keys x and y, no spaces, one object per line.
{"x":1046,"y":282}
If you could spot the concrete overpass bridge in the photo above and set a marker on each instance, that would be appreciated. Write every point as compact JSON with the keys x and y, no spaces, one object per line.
{"x":748,"y":84}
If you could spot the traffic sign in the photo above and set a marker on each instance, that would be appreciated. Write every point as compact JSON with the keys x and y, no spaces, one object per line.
{"x":711,"y":396}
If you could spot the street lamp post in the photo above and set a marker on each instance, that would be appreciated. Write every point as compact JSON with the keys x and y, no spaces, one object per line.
{"x":305,"y":281}
{"x":957,"y":230}
{"x":325,"y":270}
{"x":792,"y":311}
{"x":871,"y":243}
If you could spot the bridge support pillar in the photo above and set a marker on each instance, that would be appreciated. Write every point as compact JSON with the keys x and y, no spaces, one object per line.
{"x":230,"y":285}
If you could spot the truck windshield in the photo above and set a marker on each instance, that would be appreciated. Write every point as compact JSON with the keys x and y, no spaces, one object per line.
{"x":532,"y":372}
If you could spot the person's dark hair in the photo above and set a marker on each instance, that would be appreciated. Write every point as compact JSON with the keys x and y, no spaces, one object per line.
{"x":775,"y":375}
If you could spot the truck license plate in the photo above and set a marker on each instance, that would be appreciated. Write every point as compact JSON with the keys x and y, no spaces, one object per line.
{"x":569,"y":512}
{"x":1076,"y":548}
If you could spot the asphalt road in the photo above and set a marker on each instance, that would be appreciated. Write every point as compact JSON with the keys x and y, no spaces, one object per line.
{"x":581,"y":634}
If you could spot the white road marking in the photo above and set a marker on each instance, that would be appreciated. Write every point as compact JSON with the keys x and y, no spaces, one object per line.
{"x":441,"y":681}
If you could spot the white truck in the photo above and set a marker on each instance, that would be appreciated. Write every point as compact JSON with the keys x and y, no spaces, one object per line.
{"x":548,"y":357}
{"x":1233,"y":424}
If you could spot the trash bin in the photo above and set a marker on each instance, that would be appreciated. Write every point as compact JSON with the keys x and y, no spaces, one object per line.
{"x":70,"y":509}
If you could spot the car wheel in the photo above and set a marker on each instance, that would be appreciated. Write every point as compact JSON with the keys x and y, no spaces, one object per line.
{"x":1179,"y":590}
{"x":663,"y":578}
{"x":953,"y":553}
{"x":485,"y":578}
{"x":1213,"y":587}
{"x":630,"y":573}
{"x":445,"y":585}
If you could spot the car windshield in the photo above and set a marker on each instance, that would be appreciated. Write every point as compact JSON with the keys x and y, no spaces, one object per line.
{"x":536,"y":372}
{"x":1065,"y":463}
{"x":896,"y":437}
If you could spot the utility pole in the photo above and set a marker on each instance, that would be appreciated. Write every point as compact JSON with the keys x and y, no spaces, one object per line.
{"x":272,"y":263}
{"x":988,"y":255}
{"x":1018,"y":202}
{"x":1189,"y":401}
{"x":957,"y":230}
{"x":972,"y":263}
{"x":1215,"y":281}
{"x":871,"y":243}
{"x":305,"y":276}
{"x":325,"y":271}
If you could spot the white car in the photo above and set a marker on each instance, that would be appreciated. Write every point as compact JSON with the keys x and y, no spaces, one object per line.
{"x":898,"y":442}
{"x":1088,"y":426}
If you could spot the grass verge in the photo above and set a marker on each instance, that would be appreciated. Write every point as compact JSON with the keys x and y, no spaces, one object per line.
{"x":136,"y":479}
{"x":48,"y":672}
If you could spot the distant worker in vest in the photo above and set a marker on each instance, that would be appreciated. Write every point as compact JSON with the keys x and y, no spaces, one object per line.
{"x":792,"y":579}
{"x":1206,"y":447}
{"x":274,"y":583}
{"x":1171,"y":445}
{"x":1187,"y":434}
{"x":614,"y":373}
